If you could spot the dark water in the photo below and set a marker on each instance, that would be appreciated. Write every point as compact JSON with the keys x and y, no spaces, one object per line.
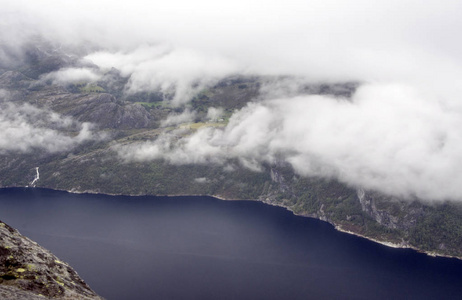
{"x":203,"y":248}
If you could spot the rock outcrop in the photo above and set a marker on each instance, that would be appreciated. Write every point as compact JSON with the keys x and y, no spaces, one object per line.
{"x":28,"y":271}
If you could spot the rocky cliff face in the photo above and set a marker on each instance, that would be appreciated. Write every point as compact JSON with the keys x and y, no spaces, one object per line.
{"x":373,"y":204}
{"x":28,"y":271}
{"x":433,"y":228}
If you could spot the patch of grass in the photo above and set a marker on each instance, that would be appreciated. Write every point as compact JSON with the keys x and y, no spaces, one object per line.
{"x":198,"y":125}
{"x":158,"y":104}
{"x":91,"y":88}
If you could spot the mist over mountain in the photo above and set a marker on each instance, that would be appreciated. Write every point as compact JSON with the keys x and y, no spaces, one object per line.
{"x":398,"y":133}
{"x":348,"y":112}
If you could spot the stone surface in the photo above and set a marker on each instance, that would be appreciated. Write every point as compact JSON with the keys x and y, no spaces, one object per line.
{"x":28,"y":271}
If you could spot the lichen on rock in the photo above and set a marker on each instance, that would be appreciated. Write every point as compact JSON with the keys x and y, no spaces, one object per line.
{"x":28,"y":271}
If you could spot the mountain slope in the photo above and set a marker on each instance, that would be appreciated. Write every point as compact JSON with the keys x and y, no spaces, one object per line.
{"x":75,"y":158}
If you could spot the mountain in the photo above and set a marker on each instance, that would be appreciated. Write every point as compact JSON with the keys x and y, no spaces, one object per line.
{"x":88,"y":135}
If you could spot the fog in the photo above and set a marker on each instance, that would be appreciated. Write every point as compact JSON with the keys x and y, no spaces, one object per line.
{"x":71,"y":75}
{"x":387,"y":138}
{"x":400,"y":132}
{"x":25,"y":128}
{"x":324,"y":40}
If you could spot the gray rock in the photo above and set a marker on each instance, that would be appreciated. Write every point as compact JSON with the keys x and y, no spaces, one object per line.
{"x":28,"y":271}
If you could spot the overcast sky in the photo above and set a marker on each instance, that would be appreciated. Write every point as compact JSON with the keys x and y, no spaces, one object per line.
{"x":401,"y":133}
{"x":322,"y":39}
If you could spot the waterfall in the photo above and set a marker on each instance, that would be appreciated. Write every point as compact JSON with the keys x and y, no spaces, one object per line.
{"x":37,"y":177}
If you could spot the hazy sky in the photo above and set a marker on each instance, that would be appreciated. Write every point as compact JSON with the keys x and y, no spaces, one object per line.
{"x":322,"y":39}
{"x":401,"y":133}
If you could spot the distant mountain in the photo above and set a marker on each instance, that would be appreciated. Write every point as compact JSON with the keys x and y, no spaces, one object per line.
{"x":72,"y":131}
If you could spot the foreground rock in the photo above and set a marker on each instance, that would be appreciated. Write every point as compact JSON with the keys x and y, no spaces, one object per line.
{"x":28,"y":271}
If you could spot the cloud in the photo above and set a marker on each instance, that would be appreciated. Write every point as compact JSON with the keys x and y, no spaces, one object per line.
{"x":72,"y":75}
{"x":25,"y":128}
{"x":176,"y":150}
{"x":181,"y":72}
{"x":399,"y":133}
{"x":4,"y":94}
{"x":389,"y":138}
{"x":214,"y":113}
{"x":201,"y":180}
{"x":178,"y":43}
{"x":186,"y":116}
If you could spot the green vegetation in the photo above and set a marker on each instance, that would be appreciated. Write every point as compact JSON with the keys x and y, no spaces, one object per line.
{"x":440,"y":230}
{"x":228,"y":94}
{"x":84,"y":87}
{"x":94,"y":166}
{"x":157,"y":105}
{"x":198,"y":125}
{"x":90,"y":88}
{"x":147,"y":97}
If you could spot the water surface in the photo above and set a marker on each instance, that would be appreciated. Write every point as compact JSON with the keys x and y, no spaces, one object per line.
{"x":204,"y":248}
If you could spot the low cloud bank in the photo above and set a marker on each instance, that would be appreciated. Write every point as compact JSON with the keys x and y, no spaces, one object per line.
{"x":180,"y":72}
{"x":174,"y":119}
{"x":389,"y":138}
{"x":72,"y":75}
{"x":25,"y":128}
{"x":182,"y":45}
{"x":400,"y":133}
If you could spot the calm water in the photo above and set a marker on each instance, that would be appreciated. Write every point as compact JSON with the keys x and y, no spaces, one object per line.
{"x":203,"y":248}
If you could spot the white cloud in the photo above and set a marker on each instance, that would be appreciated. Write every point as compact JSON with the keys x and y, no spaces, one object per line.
{"x":388,"y":138}
{"x":186,"y":116}
{"x":188,"y":42}
{"x":4,"y":94}
{"x":72,"y":75}
{"x":179,"y":72}
{"x":399,"y":133}
{"x":201,"y":180}
{"x":214,"y":113}
{"x":24,"y":128}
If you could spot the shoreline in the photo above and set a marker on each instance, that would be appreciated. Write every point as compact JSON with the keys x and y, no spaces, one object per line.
{"x":222,"y":198}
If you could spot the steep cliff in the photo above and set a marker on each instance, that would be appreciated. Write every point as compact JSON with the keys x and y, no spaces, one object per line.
{"x":28,"y":271}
